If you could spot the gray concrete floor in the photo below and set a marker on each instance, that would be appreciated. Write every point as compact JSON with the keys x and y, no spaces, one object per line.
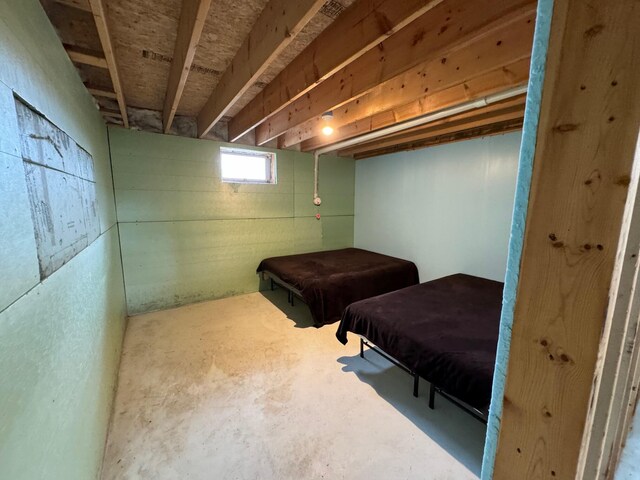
{"x":246,"y":388}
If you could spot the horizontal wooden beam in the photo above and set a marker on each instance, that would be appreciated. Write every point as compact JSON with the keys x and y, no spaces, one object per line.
{"x":357,"y":30}
{"x":512,"y":109}
{"x":364,"y":115}
{"x":457,"y":136}
{"x":509,"y":110}
{"x":79,"y":4}
{"x":93,"y":59}
{"x":192,"y":18}
{"x":431,"y":38}
{"x":98,"y":92}
{"x":277,"y":26}
{"x":99,"y":16}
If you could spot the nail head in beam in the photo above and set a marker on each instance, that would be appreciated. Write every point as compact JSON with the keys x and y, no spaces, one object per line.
{"x":192,"y":18}
{"x":99,"y":16}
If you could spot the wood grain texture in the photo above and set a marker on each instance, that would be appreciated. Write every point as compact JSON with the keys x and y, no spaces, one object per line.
{"x":384,"y":107}
{"x":95,"y":60}
{"x":100,"y":17}
{"x":481,"y":117}
{"x":277,"y":26}
{"x":457,"y":135}
{"x":192,"y":18}
{"x":450,"y":27}
{"x":586,"y":137}
{"x":357,"y":30}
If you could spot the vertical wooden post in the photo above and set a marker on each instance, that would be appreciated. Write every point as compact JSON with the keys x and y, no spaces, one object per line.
{"x":586,"y":140}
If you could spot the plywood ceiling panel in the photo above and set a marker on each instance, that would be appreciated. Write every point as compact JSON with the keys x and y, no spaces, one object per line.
{"x":144,"y":33}
{"x":75,"y":27}
{"x":223,"y":34}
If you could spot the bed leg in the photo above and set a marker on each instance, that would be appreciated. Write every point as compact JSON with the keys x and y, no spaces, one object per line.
{"x":272,"y":287}
{"x":432,"y":396}
{"x":361,"y":348}
{"x":292,"y":299}
{"x":289,"y":297}
{"x":416,"y":381}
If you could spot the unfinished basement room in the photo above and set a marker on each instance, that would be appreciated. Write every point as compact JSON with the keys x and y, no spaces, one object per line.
{"x":319,"y":239}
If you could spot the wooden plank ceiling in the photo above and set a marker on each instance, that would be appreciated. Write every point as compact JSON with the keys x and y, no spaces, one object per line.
{"x":264,"y":71}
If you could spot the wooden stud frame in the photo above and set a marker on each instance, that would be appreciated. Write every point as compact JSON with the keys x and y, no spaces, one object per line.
{"x":582,"y":178}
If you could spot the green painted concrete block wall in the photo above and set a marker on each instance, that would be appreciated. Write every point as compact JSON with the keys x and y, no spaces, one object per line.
{"x":59,"y":338}
{"x":187,"y":237}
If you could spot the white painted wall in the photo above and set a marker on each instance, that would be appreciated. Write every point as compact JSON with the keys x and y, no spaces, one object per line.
{"x":446,"y":208}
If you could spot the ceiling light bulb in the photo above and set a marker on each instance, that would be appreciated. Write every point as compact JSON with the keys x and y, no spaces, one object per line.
{"x":327,"y":130}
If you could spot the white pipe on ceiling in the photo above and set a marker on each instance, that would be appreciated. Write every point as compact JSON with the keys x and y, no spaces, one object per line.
{"x":429,"y":117}
{"x":416,"y":122}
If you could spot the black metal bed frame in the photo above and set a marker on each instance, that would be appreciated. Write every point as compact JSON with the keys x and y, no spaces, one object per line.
{"x":292,"y":292}
{"x":474,"y":412}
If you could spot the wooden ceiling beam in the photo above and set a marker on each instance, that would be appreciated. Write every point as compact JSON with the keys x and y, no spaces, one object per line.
{"x":384,"y":107}
{"x":512,"y":109}
{"x":356,"y":31}
{"x":449,"y":28}
{"x":99,"y":16}
{"x":277,"y":26}
{"x":440,"y":139}
{"x":93,"y":59}
{"x":79,"y":4}
{"x":98,"y":92}
{"x":192,"y":18}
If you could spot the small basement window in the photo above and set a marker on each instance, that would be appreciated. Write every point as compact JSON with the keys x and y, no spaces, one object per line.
{"x":247,"y":166}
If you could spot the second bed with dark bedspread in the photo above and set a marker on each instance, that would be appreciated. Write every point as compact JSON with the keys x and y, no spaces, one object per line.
{"x":445,"y":330}
{"x":329,"y":281}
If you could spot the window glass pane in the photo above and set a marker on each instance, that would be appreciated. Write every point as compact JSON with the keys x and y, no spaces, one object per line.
{"x":246,"y":166}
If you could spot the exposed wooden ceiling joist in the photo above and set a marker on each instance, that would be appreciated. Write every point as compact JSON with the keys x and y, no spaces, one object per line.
{"x":99,"y":16}
{"x":440,"y":139}
{"x":448,"y":28}
{"x":277,"y":26}
{"x":192,"y":18}
{"x":360,"y":28}
{"x":93,"y":59}
{"x":389,"y":104}
{"x":363,"y":115}
{"x":97,"y":92}
{"x":511,"y":109}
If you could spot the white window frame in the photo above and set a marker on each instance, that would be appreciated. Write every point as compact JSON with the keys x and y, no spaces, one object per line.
{"x":270,"y":173}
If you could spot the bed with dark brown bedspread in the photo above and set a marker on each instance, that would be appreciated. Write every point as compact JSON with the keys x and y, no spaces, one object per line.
{"x":445,"y":330}
{"x":329,"y":281}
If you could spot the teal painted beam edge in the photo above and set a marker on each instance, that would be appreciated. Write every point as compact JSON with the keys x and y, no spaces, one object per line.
{"x":523,"y":186}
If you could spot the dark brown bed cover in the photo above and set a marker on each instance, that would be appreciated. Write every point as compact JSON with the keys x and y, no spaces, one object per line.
{"x":329,"y":281}
{"x":446,"y":330}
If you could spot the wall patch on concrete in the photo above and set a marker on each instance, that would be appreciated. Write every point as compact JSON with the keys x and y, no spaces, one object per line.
{"x":62,"y":192}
